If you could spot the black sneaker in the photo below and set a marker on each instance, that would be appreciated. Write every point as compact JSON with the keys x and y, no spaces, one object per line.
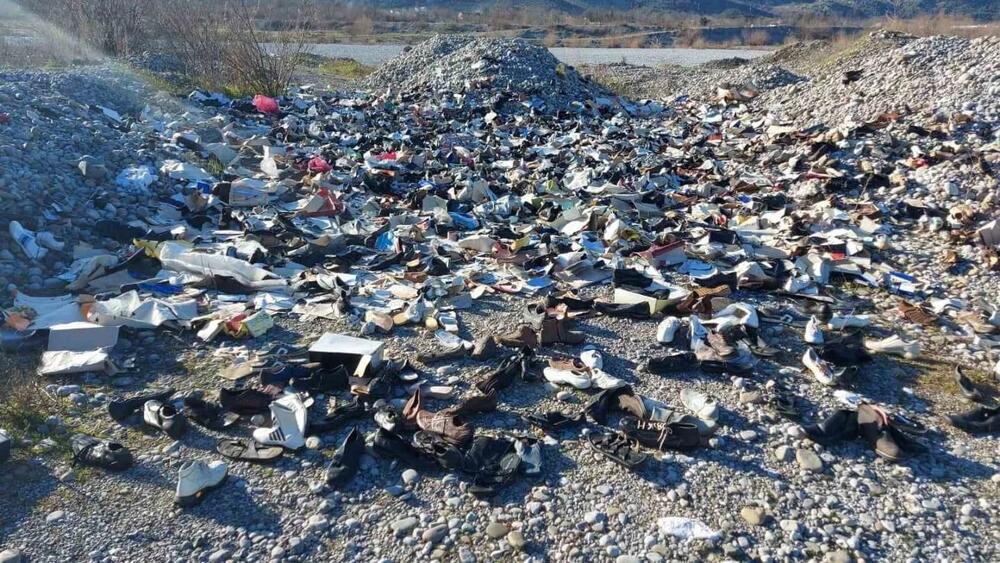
{"x":322,"y":380}
{"x":120,"y":409}
{"x":980,"y":420}
{"x":245,"y":402}
{"x":967,"y":387}
{"x":389,"y":445}
{"x":552,"y":420}
{"x":346,"y":459}
{"x":338,"y":416}
{"x":432,"y":445}
{"x":88,"y":450}
{"x":673,"y":363}
{"x":841,"y":425}
{"x":206,"y":414}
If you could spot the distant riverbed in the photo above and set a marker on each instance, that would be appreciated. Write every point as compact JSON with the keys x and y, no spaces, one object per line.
{"x":378,"y":54}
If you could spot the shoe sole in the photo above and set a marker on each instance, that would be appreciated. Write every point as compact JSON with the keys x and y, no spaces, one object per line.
{"x":197,"y":498}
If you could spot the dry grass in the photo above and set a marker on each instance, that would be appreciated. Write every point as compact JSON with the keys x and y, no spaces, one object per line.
{"x":24,"y":404}
{"x":941,"y":24}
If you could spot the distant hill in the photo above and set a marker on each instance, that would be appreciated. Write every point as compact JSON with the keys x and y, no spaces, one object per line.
{"x":980,"y":9}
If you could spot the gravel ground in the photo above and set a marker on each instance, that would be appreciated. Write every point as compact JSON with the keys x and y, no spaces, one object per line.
{"x":756,"y":483}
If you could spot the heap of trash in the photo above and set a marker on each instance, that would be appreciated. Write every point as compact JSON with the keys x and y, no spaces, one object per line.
{"x":757,"y":247}
{"x":453,"y":68}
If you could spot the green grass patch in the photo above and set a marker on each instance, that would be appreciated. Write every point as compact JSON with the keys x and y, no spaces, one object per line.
{"x":345,"y":68}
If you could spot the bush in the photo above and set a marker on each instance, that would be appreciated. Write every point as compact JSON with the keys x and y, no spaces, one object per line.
{"x":217,"y":44}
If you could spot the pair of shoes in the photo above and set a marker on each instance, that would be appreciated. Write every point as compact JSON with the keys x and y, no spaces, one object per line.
{"x":452,"y":428}
{"x":890,"y":437}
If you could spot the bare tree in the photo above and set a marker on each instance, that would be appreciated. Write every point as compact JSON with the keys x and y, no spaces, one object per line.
{"x":220,"y":45}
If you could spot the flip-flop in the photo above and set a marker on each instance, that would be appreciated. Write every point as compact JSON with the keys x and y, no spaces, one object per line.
{"x":248,"y":450}
{"x":617,"y":448}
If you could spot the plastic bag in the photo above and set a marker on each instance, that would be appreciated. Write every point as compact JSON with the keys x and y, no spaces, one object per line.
{"x":265,"y":104}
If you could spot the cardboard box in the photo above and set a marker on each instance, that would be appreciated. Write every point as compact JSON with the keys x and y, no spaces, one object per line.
{"x":656,"y":303}
{"x":82,"y":337}
{"x":332,"y":350}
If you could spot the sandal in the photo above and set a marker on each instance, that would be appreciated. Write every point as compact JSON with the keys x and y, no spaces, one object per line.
{"x":248,"y":450}
{"x":616,"y":448}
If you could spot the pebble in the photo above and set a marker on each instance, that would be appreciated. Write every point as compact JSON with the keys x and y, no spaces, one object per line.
{"x":410,"y":477}
{"x":753,"y":515}
{"x":516,"y":540}
{"x":403,"y":526}
{"x":808,"y":460}
{"x":55,"y":516}
{"x":496,"y":530}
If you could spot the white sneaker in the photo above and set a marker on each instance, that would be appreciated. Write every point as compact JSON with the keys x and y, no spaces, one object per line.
{"x":814,"y":334}
{"x":289,"y":415}
{"x":48,"y":240}
{"x":566,"y":377}
{"x":196,"y":478}
{"x":667,"y":330}
{"x":592,"y":359}
{"x":27,"y":241}
{"x":699,"y":404}
{"x":840,"y":322}
{"x":894,"y":345}
{"x":604,"y":380}
{"x":821,"y":370}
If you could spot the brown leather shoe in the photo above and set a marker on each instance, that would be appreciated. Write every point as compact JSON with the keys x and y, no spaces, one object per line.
{"x":451,"y":428}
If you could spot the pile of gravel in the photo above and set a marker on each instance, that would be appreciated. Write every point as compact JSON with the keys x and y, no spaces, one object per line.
{"x":899,"y":73}
{"x":482,"y":69}
{"x":55,"y":120}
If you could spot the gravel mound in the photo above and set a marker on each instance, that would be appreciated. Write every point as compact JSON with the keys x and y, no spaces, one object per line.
{"x":482,"y":69}
{"x":55,"y":119}
{"x":899,"y":73}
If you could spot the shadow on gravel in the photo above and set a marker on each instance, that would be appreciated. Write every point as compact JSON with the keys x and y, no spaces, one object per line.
{"x":24,"y":484}
{"x":236,"y":508}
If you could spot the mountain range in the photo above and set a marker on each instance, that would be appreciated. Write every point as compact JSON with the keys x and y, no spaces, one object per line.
{"x":979,"y":9}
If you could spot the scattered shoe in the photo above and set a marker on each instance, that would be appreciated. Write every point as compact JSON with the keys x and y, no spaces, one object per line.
{"x":196,"y":478}
{"x":345,"y":460}
{"x":243,"y":449}
{"x":121,"y":409}
{"x":289,"y":416}
{"x":165,"y":417}
{"x":896,"y":346}
{"x":980,"y":420}
{"x":699,"y":404}
{"x":841,"y":425}
{"x":821,"y":370}
{"x":661,"y":435}
{"x":967,"y":387}
{"x":88,"y":450}
{"x":667,"y":330}
{"x":814,"y":333}
{"x":617,"y":448}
